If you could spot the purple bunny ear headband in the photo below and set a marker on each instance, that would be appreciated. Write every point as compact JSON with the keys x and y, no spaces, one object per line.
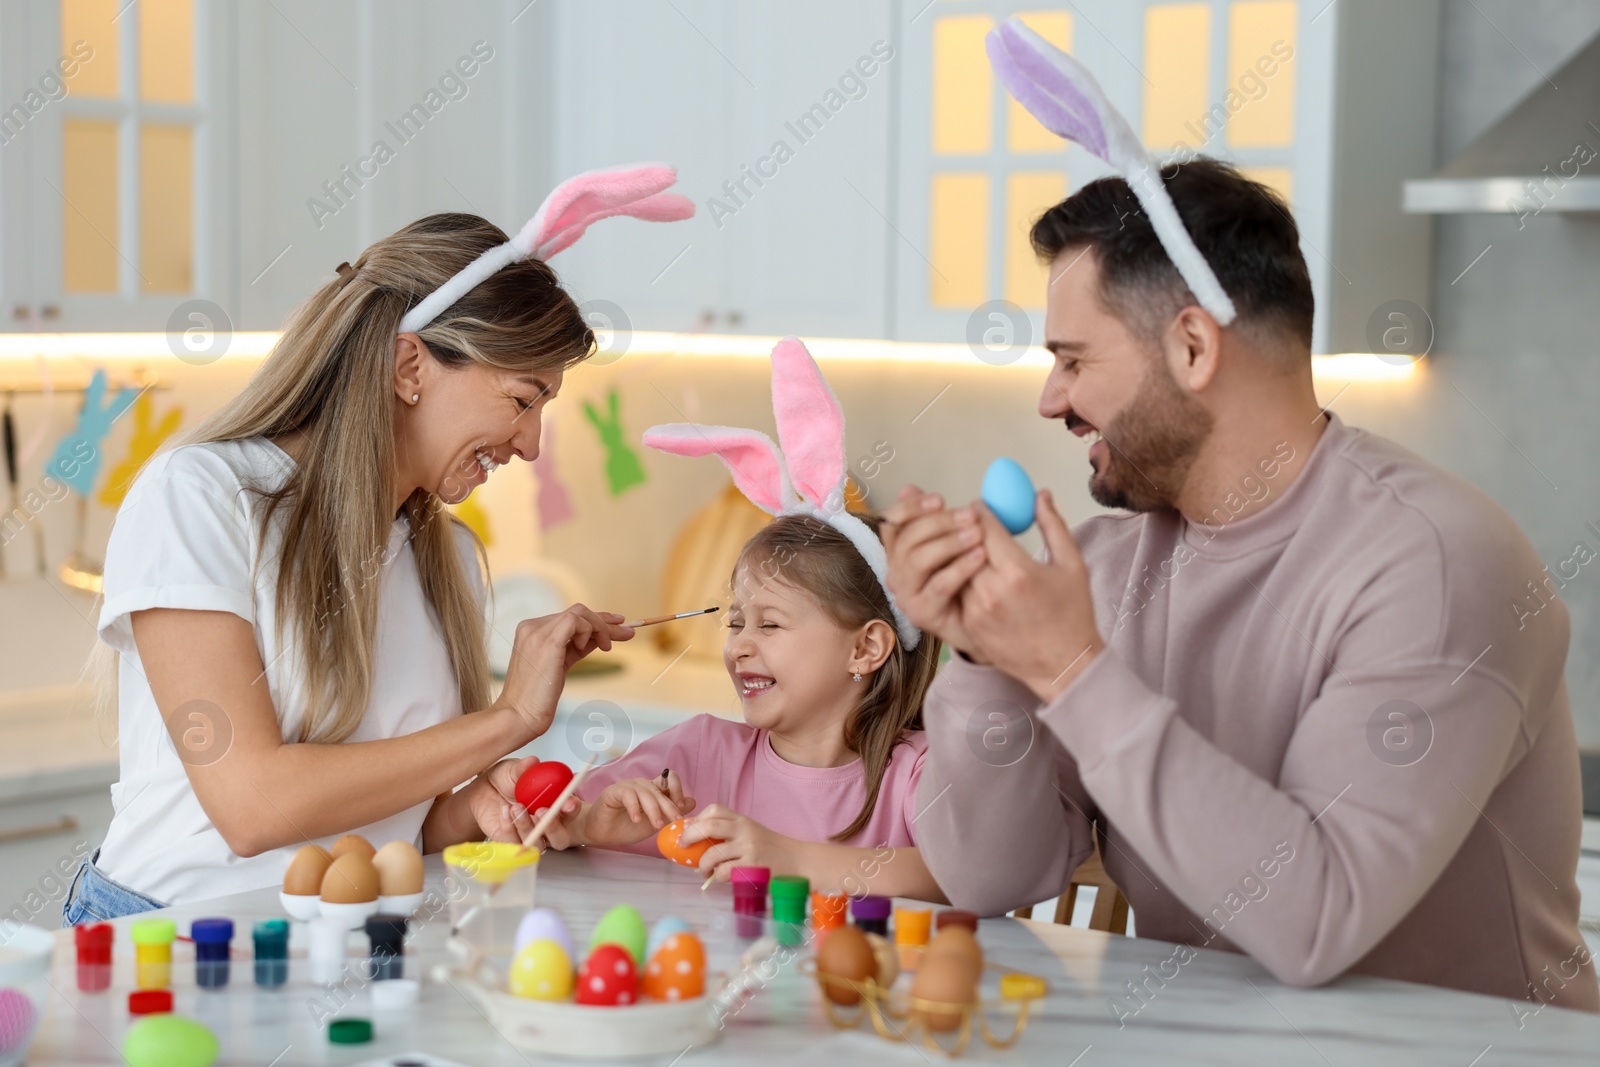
{"x":805,"y":477}
{"x":1062,"y":94}
{"x":637,"y":190}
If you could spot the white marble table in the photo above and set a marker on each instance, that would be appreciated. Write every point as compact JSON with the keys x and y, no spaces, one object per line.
{"x":1219,"y":1009}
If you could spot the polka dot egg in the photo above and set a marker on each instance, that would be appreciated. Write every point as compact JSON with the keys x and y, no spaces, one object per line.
{"x":677,"y":971}
{"x":542,"y":970}
{"x":608,"y":977}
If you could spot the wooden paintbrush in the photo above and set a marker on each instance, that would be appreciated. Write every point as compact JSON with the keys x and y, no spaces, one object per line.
{"x":670,"y":618}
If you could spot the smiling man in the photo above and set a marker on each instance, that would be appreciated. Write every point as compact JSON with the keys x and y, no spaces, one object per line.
{"x":1288,"y":689}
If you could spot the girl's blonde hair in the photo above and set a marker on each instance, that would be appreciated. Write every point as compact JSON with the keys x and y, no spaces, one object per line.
{"x":813,"y":556}
{"x":331,"y":376}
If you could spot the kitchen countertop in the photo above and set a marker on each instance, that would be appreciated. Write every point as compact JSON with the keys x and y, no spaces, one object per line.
{"x":50,"y":743}
{"x":1219,"y":1008}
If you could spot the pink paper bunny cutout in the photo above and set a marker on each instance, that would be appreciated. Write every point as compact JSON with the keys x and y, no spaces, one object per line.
{"x":807,"y":475}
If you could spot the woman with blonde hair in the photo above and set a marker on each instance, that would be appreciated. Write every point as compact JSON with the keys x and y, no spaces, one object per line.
{"x":298,"y":621}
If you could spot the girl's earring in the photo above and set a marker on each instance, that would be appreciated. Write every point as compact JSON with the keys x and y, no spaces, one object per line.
{"x":856,"y":676}
{"x":415,"y":397}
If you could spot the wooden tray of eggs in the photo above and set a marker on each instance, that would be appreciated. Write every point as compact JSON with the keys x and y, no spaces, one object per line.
{"x":352,"y":881}
{"x":634,"y":994}
{"x":859,"y":972}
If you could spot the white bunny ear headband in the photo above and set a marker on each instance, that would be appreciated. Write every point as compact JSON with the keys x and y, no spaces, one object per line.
{"x":1062,"y":94}
{"x":637,"y":190}
{"x":807,"y":477}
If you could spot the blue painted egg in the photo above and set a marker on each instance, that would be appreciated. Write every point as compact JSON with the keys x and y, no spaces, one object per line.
{"x":664,"y":928}
{"x":542,"y":924}
{"x":1008,"y":491}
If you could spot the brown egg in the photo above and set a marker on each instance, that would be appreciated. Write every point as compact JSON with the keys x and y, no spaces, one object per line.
{"x":399,"y":866}
{"x":304,"y":876}
{"x":845,"y":953}
{"x":352,"y":843}
{"x":351,"y":880}
{"x":945,"y":979}
{"x":956,"y":941}
{"x":887,"y":960}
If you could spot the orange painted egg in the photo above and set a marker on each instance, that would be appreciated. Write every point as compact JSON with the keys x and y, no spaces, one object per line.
{"x":678,"y":969}
{"x":688,"y":855}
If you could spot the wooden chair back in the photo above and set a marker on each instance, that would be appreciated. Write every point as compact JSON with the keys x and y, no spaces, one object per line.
{"x":1110,"y":906}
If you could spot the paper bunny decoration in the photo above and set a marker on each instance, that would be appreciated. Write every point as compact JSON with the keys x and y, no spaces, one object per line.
{"x":148,"y":435}
{"x":623,"y":469}
{"x":637,"y":190}
{"x":76,"y":459}
{"x":807,"y":475}
{"x":1062,"y":94}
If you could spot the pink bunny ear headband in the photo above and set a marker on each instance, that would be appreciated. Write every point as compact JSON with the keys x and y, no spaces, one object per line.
{"x":1062,"y":94}
{"x":636,"y":190}
{"x":807,"y":477}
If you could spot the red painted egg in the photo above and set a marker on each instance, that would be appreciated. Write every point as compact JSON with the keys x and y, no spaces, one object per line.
{"x":542,"y":783}
{"x":688,"y":855}
{"x":608,"y":978}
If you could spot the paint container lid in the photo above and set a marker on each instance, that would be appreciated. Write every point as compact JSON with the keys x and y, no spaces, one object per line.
{"x":871,"y":907}
{"x":350,"y":1031}
{"x":211,"y":931}
{"x":790,"y":887}
{"x":755,"y":876}
{"x":956,"y":917}
{"x":395,"y":994}
{"x":271,"y":935}
{"x":150,"y":1002}
{"x":97,"y":935}
{"x":153,"y":931}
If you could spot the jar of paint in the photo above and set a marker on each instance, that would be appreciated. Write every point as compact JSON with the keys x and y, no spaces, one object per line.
{"x":152,"y":952}
{"x":213,"y":940}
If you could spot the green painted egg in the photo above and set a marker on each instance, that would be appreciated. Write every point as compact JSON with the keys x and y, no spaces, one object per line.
{"x":622,"y":925}
{"x":169,"y":1041}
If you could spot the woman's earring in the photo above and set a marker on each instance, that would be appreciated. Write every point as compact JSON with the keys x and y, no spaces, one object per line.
{"x":856,"y":676}
{"x":415,"y":397}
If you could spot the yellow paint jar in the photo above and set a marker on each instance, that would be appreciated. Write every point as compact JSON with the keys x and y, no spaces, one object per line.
{"x":152,"y":952}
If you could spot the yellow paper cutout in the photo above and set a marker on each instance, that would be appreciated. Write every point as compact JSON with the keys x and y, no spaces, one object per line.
{"x":141,"y":446}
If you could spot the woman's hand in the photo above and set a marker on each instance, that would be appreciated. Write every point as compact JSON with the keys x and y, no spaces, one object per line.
{"x":490,"y":799}
{"x":542,"y":652}
{"x":745,"y":843}
{"x":630,"y":810}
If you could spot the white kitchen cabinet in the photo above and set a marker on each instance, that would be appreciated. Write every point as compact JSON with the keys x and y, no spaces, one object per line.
{"x":779,"y":119}
{"x":114,"y":168}
{"x":1332,"y":104}
{"x":43,"y":837}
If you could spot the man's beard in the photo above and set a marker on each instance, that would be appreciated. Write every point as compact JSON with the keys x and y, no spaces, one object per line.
{"x":1151,"y":445}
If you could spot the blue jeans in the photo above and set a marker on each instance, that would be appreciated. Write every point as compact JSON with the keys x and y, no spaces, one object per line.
{"x":95,"y":898}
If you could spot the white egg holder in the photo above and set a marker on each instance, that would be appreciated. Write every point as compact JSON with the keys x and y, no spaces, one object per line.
{"x":567,"y":1028}
{"x":306,"y":908}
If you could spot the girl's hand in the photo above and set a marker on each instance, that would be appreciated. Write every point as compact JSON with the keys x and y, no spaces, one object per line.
{"x":745,"y":843}
{"x":541,"y":653}
{"x":630,"y":810}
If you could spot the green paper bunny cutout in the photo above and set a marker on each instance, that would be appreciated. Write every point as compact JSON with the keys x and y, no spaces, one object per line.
{"x":623,"y":469}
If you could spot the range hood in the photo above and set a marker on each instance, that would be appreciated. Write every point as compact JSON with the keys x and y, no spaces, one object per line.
{"x":1542,"y":156}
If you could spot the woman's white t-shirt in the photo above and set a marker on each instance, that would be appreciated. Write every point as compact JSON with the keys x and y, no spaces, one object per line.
{"x":186,"y":537}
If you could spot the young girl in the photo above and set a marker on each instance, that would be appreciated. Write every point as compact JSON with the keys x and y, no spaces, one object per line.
{"x":298,"y":619}
{"x":821,"y":778}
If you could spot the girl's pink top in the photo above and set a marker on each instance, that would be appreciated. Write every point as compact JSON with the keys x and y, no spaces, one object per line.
{"x":725,"y":762}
